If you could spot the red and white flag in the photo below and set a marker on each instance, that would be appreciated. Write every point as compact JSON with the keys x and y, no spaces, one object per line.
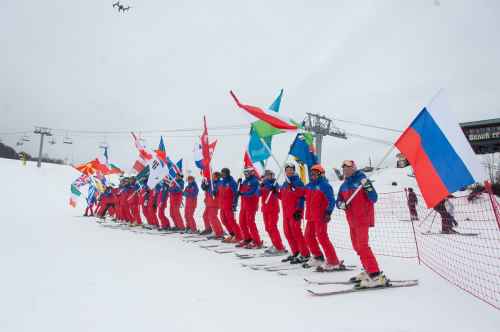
{"x":205,"y":150}
{"x":247,"y":163}
{"x":275,"y":119}
{"x":144,"y":155}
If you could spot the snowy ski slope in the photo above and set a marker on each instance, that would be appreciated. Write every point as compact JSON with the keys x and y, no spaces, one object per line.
{"x":62,"y":272}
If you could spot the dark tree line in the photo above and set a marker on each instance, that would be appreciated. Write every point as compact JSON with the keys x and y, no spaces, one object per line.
{"x":9,"y":153}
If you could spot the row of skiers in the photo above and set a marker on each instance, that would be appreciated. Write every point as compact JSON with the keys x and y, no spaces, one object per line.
{"x":313,"y":202}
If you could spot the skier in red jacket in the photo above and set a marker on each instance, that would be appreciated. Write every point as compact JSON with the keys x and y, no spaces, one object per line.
{"x":292,"y":200}
{"x":360,"y":216}
{"x":249,"y":193}
{"x":151,"y":207}
{"x":270,"y":208}
{"x":320,"y":202}
{"x":134,"y":202}
{"x":162,"y":198}
{"x":211,"y":212}
{"x":175,"y":191}
{"x":228,"y":199}
{"x":191,"y":199}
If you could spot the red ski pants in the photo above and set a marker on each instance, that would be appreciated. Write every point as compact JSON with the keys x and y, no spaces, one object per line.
{"x":175,"y":214}
{"x":136,"y":214}
{"x":210,"y":215}
{"x":152,"y":215}
{"x":126,"y":215}
{"x":317,"y":231}
{"x":359,"y":239}
{"x":227,"y":217}
{"x":89,"y":208}
{"x":164,"y":222}
{"x":189,"y":214}
{"x":248,"y":226}
{"x":145,"y":212}
{"x":293,"y":234}
{"x":271,"y":224}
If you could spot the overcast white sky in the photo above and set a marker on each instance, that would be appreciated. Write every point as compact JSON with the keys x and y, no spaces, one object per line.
{"x":164,"y":64}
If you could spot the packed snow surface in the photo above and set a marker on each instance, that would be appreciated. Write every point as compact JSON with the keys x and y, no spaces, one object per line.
{"x":63,"y":272}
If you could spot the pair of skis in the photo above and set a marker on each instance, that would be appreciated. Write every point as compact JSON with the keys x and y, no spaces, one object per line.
{"x":258,"y":255}
{"x":454,"y":233}
{"x":354,"y":288}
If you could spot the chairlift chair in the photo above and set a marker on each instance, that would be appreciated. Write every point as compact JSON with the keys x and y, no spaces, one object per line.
{"x":67,"y":140}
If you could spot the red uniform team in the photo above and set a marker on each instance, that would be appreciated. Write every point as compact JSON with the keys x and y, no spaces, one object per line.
{"x":313,"y":202}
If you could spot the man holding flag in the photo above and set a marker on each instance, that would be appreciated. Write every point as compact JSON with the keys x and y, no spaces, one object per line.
{"x":357,"y":197}
{"x":228,"y":199}
{"x":175,"y":190}
{"x":249,"y":192}
{"x":292,"y":201}
{"x":191,"y":199}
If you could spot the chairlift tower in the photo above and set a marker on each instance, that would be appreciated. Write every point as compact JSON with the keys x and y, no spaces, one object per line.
{"x":42,"y":131}
{"x":321,"y":126}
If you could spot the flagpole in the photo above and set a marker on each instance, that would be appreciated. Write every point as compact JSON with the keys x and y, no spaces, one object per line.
{"x":376,"y":167}
{"x":270,"y":152}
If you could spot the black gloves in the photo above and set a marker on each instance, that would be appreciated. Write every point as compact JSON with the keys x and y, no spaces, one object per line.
{"x":367,"y":185}
{"x":297,"y":215}
{"x":341,"y":205}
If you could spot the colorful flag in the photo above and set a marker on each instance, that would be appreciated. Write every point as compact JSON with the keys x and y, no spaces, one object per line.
{"x":113,"y":169}
{"x":303,"y":149}
{"x":262,"y":130}
{"x":439,"y":153}
{"x":81,"y":180}
{"x":205,"y":150}
{"x":88,"y":168}
{"x":143,"y":175}
{"x":247,"y":163}
{"x":157,"y":171}
{"x":99,"y":184}
{"x":302,"y":173}
{"x":91,"y":194}
{"x":144,"y":155}
{"x":198,"y":156}
{"x":276,"y":120}
{"x":161,"y":152}
{"x":75,"y":194}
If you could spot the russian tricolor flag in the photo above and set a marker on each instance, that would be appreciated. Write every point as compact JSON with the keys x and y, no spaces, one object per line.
{"x":437,"y":149}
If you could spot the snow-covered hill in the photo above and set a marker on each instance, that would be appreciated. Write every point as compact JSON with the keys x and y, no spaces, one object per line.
{"x":62,"y":272}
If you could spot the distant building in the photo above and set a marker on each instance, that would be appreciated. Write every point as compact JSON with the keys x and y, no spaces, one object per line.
{"x":484,"y":136}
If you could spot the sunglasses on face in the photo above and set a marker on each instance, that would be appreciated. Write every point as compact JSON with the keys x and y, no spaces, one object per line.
{"x":347,"y":164}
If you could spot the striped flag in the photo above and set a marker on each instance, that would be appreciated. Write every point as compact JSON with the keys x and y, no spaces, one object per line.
{"x":439,"y":153}
{"x":275,"y":119}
